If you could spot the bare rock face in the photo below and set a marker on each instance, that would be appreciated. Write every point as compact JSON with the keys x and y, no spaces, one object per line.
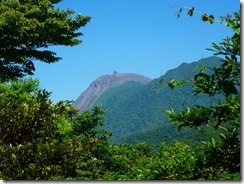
{"x":103,"y":83}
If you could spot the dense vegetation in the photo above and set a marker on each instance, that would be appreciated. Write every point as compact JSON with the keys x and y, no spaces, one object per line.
{"x":41,"y":140}
{"x":136,"y":112}
{"x":46,"y":141}
{"x":28,"y":28}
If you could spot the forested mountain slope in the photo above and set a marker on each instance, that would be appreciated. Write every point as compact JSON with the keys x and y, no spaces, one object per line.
{"x":135,"y":111}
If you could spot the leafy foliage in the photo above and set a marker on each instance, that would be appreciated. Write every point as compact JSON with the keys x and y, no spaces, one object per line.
{"x":225,"y":80}
{"x":83,"y":152}
{"x":40,"y":140}
{"x":33,"y":117}
{"x":204,"y":16}
{"x":33,"y":145}
{"x":28,"y":28}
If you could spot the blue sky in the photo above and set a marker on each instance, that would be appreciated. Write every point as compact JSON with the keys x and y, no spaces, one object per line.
{"x":135,"y":36}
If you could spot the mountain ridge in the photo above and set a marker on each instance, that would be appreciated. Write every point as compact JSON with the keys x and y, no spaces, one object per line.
{"x":87,"y":98}
{"x":135,"y":111}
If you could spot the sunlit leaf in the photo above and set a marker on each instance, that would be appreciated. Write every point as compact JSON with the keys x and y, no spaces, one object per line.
{"x":211,"y":19}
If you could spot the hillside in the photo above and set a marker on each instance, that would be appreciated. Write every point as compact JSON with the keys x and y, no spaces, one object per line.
{"x":88,"y":98}
{"x":135,"y":111}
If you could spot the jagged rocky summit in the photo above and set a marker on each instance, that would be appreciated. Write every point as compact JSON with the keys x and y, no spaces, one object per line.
{"x":88,"y":98}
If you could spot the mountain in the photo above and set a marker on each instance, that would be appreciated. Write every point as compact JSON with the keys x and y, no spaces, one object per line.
{"x":136,"y":111}
{"x":88,"y":98}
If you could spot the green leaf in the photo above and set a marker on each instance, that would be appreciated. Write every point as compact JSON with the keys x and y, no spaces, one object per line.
{"x":179,"y":12}
{"x":174,"y":83}
{"x":160,"y":81}
{"x":190,"y":11}
{"x":211,"y":19}
{"x":204,"y":17}
{"x":213,"y":142}
{"x":23,"y":45}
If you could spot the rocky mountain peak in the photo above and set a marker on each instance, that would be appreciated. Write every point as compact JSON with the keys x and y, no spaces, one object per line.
{"x":103,"y":83}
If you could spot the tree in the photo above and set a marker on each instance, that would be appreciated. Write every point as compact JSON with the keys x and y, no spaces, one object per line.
{"x":42,"y":140}
{"x":28,"y":28}
{"x":224,"y":80}
{"x":29,"y":144}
